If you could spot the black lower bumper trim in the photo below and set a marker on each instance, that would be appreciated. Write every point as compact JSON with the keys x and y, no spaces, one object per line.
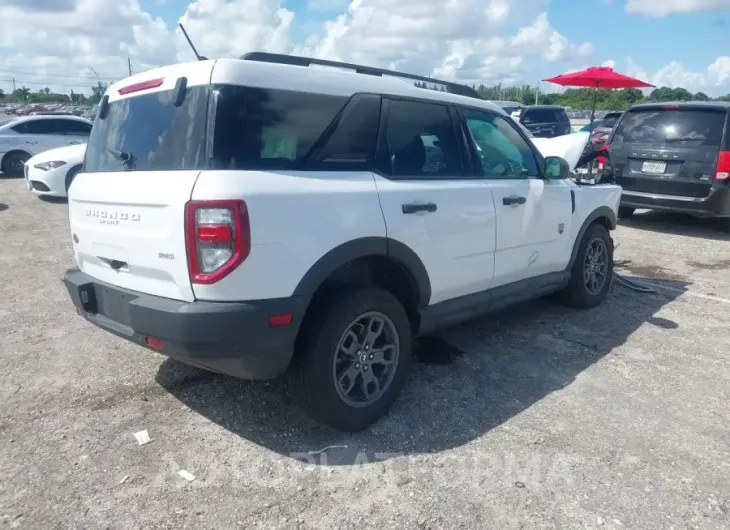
{"x":232,"y":338}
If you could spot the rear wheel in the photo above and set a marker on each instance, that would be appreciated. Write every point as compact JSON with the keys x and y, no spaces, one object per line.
{"x":590,"y":276}
{"x":625,"y":212}
{"x":13,"y":163}
{"x":353,"y":358}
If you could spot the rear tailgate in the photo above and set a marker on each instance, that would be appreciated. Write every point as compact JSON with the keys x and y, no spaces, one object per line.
{"x":668,"y":151}
{"x":127,"y":207}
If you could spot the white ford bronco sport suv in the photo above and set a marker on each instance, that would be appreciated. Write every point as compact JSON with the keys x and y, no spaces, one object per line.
{"x":258,"y":216}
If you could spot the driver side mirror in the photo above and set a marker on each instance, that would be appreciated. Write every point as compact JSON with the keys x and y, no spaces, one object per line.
{"x":556,"y":168}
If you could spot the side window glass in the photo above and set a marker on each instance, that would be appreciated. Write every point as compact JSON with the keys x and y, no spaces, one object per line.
{"x":259,"y":128}
{"x":353,"y":140}
{"x":502,"y":152}
{"x":40,"y":127}
{"x":422,"y":143}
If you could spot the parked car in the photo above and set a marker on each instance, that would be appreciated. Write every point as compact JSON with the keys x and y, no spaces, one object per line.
{"x":329,"y":216}
{"x":674,"y":156}
{"x":26,"y":111}
{"x":510,"y":107}
{"x":22,"y":138}
{"x":52,"y":172}
{"x":545,"y":121}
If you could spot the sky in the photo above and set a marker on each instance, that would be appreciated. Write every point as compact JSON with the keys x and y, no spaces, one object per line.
{"x":71,"y":44}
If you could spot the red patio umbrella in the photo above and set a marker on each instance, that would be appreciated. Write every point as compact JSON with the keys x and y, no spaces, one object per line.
{"x":597,"y":77}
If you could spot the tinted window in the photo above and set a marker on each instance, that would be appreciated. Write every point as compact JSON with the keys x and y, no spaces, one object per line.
{"x":665,"y":127}
{"x":40,"y":127}
{"x":561,"y":115}
{"x":502,"y":152}
{"x":352,"y":141}
{"x":264,"y":129}
{"x":72,"y":127}
{"x":610,"y":120}
{"x":539,"y":116}
{"x":422,"y":142}
{"x":147,"y":132}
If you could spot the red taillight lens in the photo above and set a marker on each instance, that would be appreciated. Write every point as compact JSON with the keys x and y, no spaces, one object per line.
{"x":144,"y":85}
{"x":154,"y":343}
{"x":722,"y":170}
{"x":218,"y":237}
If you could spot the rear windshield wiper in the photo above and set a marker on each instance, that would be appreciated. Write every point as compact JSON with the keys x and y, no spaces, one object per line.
{"x":129,"y":161}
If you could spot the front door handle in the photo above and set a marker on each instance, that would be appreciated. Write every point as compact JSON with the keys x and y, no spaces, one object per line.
{"x":513,"y":199}
{"x":416,"y":207}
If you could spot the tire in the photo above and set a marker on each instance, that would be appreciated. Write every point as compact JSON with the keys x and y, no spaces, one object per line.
{"x":12,"y":164}
{"x":577,"y":293}
{"x":624,"y":212}
{"x":70,"y":176}
{"x":315,"y":369}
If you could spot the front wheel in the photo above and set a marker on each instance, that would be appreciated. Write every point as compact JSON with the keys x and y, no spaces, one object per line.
{"x":590,"y":276}
{"x":353,"y":359}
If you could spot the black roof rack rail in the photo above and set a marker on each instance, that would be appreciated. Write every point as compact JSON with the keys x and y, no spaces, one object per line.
{"x":295,"y":60}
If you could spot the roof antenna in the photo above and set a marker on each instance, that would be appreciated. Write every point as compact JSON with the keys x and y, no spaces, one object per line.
{"x":200,"y":57}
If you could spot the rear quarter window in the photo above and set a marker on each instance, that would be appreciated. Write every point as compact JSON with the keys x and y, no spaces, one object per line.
{"x":667,"y":127}
{"x":259,"y":128}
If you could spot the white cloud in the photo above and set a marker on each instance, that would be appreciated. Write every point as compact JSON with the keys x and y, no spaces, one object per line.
{"x":661,"y":8}
{"x":76,"y":42}
{"x":459,"y":39}
{"x":230,"y":28}
{"x":715,"y":79}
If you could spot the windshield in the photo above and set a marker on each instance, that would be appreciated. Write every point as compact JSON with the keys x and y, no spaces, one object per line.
{"x":680,"y":127}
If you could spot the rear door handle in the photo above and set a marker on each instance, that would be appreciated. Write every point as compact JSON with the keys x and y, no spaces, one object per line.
{"x":415,"y":207}
{"x":513,"y":199}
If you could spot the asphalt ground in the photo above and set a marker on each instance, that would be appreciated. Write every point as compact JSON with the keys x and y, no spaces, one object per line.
{"x":537,"y":417}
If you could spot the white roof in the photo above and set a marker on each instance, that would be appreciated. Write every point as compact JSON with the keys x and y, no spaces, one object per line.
{"x":318,"y":79}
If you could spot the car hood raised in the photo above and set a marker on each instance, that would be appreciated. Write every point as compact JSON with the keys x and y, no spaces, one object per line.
{"x":569,"y":146}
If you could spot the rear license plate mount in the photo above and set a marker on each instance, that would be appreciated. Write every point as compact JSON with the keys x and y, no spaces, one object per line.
{"x":87,"y":296}
{"x":653,"y":167}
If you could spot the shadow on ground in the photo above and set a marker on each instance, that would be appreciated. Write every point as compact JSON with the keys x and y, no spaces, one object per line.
{"x":3,"y":207}
{"x":677,"y":224}
{"x":511,"y":360}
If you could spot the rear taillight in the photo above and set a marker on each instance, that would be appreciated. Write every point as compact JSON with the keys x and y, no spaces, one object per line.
{"x":218,"y":238}
{"x":722,"y":170}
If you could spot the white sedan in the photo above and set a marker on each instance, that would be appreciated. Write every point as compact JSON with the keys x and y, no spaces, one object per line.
{"x":51,"y":172}
{"x":22,"y":138}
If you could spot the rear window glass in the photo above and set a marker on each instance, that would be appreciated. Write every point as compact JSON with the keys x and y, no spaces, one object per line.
{"x":664,"y":127}
{"x":538,"y":116}
{"x":269,"y":129}
{"x":148,"y":133}
{"x":610,"y":120}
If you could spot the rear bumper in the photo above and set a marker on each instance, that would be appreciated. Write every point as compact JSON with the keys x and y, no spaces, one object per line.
{"x":232,"y":338}
{"x":716,"y":204}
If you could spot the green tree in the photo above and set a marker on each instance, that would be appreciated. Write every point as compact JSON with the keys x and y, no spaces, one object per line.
{"x":22,"y":93}
{"x":701,"y":96}
{"x":98,"y":91}
{"x":2,"y":94}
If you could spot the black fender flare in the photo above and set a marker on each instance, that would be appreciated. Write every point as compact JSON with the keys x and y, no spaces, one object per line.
{"x":362,"y":248}
{"x":601,"y":211}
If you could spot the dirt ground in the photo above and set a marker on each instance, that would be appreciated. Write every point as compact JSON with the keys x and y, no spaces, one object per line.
{"x":540,"y":416}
